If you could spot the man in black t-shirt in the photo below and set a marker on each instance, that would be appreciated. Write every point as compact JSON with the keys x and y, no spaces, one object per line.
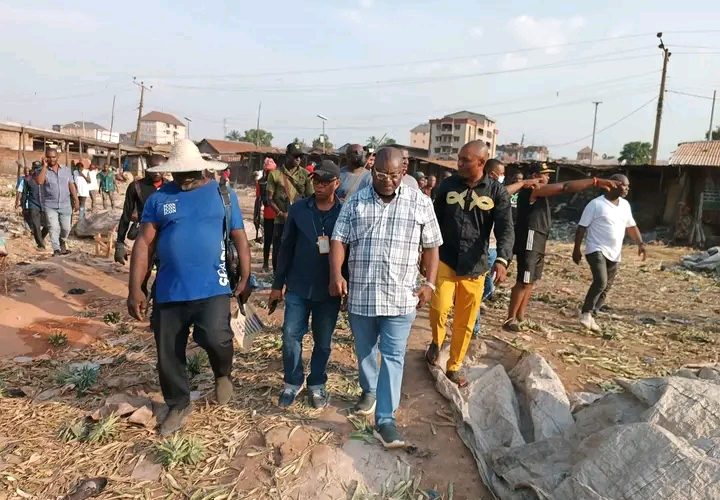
{"x":532,"y":229}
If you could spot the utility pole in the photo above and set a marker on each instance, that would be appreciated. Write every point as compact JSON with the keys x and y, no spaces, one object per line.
{"x":592,"y":147}
{"x":658,"y":117}
{"x":224,"y":128}
{"x":257,"y":128}
{"x":712,"y":115}
{"x":522,"y":142}
{"x":112,"y":119}
{"x":143,"y":87}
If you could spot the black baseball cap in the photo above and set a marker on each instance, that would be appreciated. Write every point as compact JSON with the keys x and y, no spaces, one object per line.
{"x":326,"y":171}
{"x":294,"y":149}
{"x":540,"y":168}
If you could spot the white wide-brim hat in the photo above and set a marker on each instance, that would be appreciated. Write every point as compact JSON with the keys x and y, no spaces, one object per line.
{"x":185,"y":157}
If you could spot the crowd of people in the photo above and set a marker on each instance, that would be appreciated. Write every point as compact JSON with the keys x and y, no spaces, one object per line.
{"x":367,"y":238}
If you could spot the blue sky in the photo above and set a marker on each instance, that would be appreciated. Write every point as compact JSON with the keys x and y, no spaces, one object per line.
{"x":372,"y":67}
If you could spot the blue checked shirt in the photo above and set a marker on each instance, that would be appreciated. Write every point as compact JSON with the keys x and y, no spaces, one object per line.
{"x":384,"y":239}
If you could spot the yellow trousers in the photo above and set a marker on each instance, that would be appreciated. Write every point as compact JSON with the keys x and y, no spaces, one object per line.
{"x":465,"y":294}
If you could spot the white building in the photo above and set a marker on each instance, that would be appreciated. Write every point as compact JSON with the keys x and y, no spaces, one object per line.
{"x":451,"y":132}
{"x":420,"y":136}
{"x":161,"y":128}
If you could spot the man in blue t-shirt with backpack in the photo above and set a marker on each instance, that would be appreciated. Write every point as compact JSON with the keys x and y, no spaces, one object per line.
{"x":188,"y":223}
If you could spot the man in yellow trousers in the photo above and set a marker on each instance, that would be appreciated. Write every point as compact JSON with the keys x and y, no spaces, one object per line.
{"x":467,"y":205}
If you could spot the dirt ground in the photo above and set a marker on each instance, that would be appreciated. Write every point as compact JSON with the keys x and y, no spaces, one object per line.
{"x":662,"y":317}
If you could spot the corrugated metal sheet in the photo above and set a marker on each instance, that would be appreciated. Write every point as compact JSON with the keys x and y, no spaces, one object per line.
{"x":698,"y":154}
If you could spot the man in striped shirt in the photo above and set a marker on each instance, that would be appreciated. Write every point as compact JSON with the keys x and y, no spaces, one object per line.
{"x":383,"y":226}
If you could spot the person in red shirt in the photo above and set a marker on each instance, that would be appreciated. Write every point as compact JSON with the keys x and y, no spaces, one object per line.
{"x":268,"y":213}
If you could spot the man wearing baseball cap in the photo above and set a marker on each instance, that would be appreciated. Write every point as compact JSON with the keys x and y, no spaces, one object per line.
{"x":285,"y":186}
{"x":532,"y":229}
{"x":304,"y":272}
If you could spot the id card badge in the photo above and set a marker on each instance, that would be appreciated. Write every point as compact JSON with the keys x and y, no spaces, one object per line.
{"x":323,"y":244}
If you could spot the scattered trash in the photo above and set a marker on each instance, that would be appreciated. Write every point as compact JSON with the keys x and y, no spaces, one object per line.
{"x":87,"y":488}
{"x":708,"y":260}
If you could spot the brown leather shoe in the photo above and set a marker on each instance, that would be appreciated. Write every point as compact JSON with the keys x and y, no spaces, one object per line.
{"x":175,"y":420}
{"x":457,"y":378}
{"x":223,"y":390}
{"x":512,"y":325}
{"x":432,"y":354}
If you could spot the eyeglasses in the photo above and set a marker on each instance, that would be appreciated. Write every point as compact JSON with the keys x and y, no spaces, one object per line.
{"x":381,"y":176}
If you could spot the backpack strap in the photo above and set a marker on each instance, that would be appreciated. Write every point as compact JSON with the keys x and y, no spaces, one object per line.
{"x":228,"y":209}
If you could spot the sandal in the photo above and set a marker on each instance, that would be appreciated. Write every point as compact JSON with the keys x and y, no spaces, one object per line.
{"x":512,"y":325}
{"x":457,"y":378}
{"x":432,"y":354}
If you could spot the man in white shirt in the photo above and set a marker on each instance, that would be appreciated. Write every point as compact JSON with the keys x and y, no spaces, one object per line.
{"x":605,"y":221}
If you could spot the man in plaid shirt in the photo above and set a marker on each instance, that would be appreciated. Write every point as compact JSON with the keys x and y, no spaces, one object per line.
{"x":383,"y":226}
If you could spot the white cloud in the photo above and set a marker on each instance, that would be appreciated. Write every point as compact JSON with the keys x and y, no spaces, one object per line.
{"x":45,"y":17}
{"x":513,"y":61}
{"x":540,"y":32}
{"x":358,"y":15}
{"x":366,"y":4}
{"x":477,"y":32}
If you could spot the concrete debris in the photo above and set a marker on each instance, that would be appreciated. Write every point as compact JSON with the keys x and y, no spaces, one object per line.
{"x":145,"y":470}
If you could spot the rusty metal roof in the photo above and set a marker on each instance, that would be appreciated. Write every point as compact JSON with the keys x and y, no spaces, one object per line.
{"x":698,"y":154}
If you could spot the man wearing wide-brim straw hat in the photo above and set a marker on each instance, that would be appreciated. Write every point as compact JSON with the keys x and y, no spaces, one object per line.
{"x":184,"y":222}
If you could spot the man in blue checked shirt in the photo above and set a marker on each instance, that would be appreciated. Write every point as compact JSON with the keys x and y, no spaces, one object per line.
{"x":382,"y":227}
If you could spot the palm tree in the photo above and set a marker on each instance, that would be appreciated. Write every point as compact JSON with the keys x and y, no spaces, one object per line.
{"x":234,"y":135}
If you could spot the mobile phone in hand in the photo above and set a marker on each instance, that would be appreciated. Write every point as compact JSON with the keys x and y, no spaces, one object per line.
{"x":273,"y":305}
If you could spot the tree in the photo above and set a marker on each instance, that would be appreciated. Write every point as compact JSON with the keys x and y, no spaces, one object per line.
{"x":374,"y":142}
{"x":298,"y":141}
{"x":234,"y":135}
{"x":715,"y":134}
{"x":264,"y":138}
{"x":318,"y":144}
{"x":636,"y":153}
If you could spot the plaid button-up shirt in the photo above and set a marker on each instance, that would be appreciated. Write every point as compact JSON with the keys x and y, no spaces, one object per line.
{"x":384,"y":241}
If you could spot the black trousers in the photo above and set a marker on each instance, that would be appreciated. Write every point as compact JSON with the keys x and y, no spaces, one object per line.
{"x":277,"y":240}
{"x":36,"y":220}
{"x":171,"y":322}
{"x":603,"y":272}
{"x":268,"y":227}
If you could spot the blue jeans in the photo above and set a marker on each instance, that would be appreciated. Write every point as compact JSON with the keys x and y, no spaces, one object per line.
{"x":489,"y":286}
{"x":58,"y":221}
{"x":324,"y":319}
{"x":388,"y":335}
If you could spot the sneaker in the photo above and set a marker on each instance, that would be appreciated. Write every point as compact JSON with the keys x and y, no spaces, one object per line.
{"x":65,"y":252}
{"x":56,"y":253}
{"x":287,"y":397}
{"x":588,"y":322}
{"x":457,"y":378}
{"x":512,"y":325}
{"x":175,"y":420}
{"x":432,"y":354}
{"x":365,"y":405}
{"x":223,"y":390}
{"x":389,"y":435}
{"x":318,"y":397}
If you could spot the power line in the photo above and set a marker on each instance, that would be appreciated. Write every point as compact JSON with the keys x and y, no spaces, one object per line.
{"x":690,"y":95}
{"x":605,"y":128}
{"x":429,"y":61}
{"x":379,"y":83}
